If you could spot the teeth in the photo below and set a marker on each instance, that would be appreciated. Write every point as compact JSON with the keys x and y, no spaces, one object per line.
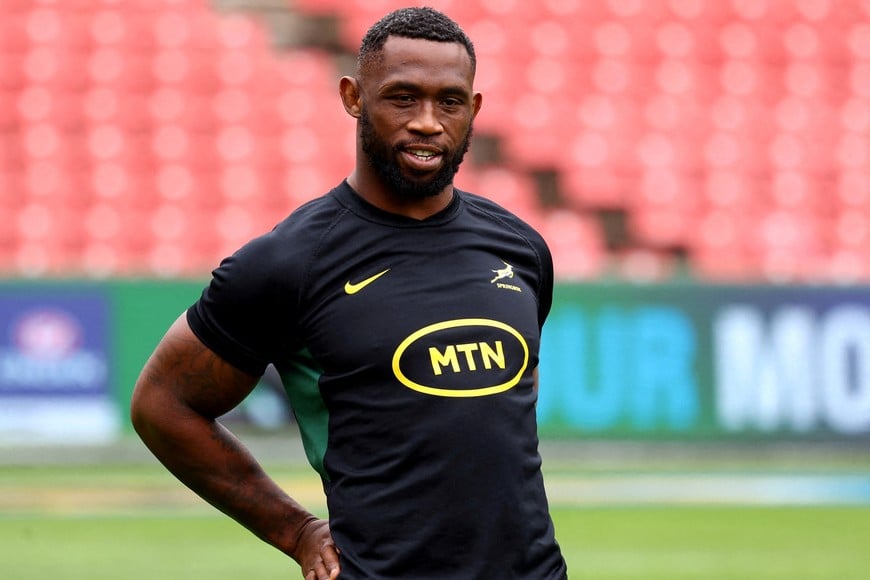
{"x":423,"y":154}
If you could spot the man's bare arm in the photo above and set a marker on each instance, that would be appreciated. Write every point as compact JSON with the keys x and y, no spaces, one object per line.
{"x":180,"y":393}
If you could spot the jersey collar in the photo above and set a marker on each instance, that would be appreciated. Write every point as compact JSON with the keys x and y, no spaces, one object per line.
{"x":350,"y":199}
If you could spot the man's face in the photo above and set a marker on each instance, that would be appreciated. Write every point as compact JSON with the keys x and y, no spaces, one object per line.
{"x":417,"y":113}
{"x":384,"y":159}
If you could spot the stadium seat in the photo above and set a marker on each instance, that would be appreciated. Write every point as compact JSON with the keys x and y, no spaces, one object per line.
{"x":9,"y":116}
{"x":595,"y":187}
{"x":852,"y":190}
{"x":724,"y":266}
{"x":12,"y":76}
{"x":511,"y":189}
{"x":576,"y":244}
{"x":14,"y":37}
{"x":536,"y":142}
{"x":12,"y":191}
{"x":661,"y":228}
{"x":236,"y":223}
{"x":799,"y":191}
{"x":193,"y":187}
{"x":37,"y":260}
{"x":643,"y":265}
{"x":846,"y":266}
{"x":851,"y":230}
{"x":723,"y":234}
{"x":551,"y":38}
{"x":790,"y":245}
{"x":10,"y":206}
{"x":298,"y":185}
{"x":751,"y":108}
{"x":724,"y":189}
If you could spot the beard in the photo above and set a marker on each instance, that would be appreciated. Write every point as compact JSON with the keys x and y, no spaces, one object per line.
{"x":383,"y":160}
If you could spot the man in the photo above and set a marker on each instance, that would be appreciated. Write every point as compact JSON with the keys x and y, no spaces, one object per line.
{"x":404,"y":316}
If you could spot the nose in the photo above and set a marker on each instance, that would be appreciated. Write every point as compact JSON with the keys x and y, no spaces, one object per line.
{"x":426,"y":120}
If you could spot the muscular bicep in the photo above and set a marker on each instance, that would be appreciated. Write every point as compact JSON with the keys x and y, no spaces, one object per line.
{"x":184,"y":373}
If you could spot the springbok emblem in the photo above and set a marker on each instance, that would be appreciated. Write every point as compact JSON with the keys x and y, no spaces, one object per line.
{"x":502,"y":273}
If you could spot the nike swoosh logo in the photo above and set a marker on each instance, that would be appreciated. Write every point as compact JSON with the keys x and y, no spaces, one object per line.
{"x":351,"y":288}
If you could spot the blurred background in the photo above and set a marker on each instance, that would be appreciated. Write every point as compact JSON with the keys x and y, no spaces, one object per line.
{"x":700,"y":168}
{"x":722,"y":140}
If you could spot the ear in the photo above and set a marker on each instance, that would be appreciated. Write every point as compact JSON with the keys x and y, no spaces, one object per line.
{"x":476,"y":102}
{"x":348,"y":87}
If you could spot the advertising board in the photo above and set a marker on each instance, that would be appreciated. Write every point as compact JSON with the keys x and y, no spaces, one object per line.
{"x":55,"y":372}
{"x":710,"y":361}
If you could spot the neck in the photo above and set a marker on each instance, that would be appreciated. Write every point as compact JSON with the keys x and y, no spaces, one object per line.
{"x":376,"y":193}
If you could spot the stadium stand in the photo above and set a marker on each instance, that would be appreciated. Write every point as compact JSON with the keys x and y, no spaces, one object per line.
{"x":646,"y":139}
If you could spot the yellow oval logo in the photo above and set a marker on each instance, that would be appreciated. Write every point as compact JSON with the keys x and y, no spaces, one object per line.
{"x":453,"y":352}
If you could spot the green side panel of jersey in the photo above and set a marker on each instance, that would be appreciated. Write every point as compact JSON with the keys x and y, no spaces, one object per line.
{"x":300,"y":378}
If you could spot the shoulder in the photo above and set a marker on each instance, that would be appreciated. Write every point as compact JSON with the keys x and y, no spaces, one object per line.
{"x":273,"y":267}
{"x":486,"y":209}
{"x":291,"y":243}
{"x":526,"y":243}
{"x":308,"y":222}
{"x":251,"y":303}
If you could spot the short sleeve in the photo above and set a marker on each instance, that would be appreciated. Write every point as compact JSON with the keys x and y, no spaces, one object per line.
{"x":245,"y":314}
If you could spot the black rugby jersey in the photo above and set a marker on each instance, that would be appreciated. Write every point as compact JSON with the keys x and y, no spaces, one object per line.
{"x":407,"y":348}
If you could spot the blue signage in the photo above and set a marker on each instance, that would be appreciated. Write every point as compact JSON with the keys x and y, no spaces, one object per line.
{"x":55,"y":379}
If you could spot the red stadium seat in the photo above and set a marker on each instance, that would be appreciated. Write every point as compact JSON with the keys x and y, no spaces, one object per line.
{"x":662,"y":228}
{"x":513,"y":190}
{"x":846,"y":266}
{"x":668,"y":110}
{"x":595,"y":187}
{"x":298,"y":185}
{"x":14,"y":36}
{"x":644,"y":265}
{"x":576,"y":243}
{"x":853,"y":190}
{"x":723,"y":265}
{"x":851,"y":230}
{"x":52,"y":183}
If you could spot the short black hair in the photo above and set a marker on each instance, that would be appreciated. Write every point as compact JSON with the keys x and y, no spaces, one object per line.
{"x":422,"y":23}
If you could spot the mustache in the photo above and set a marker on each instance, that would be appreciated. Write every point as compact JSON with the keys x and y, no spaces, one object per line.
{"x":427,"y":143}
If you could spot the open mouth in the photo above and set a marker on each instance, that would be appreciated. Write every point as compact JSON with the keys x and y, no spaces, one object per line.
{"x":422,"y":158}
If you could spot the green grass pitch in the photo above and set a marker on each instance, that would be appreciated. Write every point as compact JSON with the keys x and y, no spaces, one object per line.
{"x":136,"y":523}
{"x":707,"y":543}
